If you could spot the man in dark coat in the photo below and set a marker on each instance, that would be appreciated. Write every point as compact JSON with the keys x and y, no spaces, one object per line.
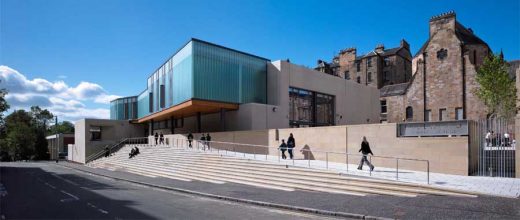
{"x":161,"y":138}
{"x":190,"y":139}
{"x":156,"y":136}
{"x":291,"y":143}
{"x":365,"y":150}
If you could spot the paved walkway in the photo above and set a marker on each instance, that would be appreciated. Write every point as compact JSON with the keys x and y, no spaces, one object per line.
{"x":507,"y":187}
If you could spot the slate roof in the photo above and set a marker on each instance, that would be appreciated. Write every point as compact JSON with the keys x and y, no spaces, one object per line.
{"x":393,"y":90}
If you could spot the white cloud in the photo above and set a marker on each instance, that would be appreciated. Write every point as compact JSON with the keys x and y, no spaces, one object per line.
{"x":58,"y":97}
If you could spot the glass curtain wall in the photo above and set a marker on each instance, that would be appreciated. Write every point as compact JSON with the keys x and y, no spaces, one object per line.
{"x":308,"y":108}
{"x":123,"y":108}
{"x":226,"y":75}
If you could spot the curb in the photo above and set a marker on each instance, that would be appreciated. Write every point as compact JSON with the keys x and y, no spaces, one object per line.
{"x":233,"y":199}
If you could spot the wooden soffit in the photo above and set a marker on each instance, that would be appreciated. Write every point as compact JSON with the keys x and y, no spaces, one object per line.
{"x":189,"y":108}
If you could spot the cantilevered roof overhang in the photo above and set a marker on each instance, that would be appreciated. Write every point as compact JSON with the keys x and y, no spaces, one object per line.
{"x":189,"y":108}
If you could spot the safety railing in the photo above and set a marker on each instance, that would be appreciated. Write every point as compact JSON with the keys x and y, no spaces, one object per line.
{"x":313,"y":158}
{"x":115,"y":147}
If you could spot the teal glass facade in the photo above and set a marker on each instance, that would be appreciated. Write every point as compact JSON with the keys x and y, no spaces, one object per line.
{"x":123,"y":108}
{"x":204,"y":71}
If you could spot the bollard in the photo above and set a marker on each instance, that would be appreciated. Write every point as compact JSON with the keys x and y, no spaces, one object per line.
{"x":397,"y":168}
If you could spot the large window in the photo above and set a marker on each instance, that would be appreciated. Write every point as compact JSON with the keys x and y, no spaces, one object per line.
{"x":324,"y":109}
{"x":369,"y":77}
{"x":162,"y":94}
{"x":308,"y":108}
{"x":369,"y":62}
{"x":428,"y":115}
{"x":358,"y":66}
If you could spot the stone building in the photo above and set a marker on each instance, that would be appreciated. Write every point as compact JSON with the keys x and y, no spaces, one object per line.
{"x":377,"y":68}
{"x":444,"y":77}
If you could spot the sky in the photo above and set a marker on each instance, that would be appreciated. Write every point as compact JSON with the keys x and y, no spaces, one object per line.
{"x":73,"y":57}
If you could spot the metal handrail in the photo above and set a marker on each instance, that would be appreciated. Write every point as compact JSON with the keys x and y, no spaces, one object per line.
{"x":113,"y":148}
{"x":175,"y":140}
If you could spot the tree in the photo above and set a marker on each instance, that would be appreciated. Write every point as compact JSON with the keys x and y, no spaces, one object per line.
{"x":40,"y":118}
{"x":3,"y":107}
{"x":497,"y":90}
{"x":61,"y":128}
{"x":20,"y":137}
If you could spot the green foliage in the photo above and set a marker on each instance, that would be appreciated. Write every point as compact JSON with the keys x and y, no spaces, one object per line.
{"x":20,"y":137}
{"x":497,"y":90}
{"x":62,"y":128}
{"x":25,"y":132}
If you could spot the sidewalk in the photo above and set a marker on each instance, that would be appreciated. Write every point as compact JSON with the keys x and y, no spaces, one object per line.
{"x":498,"y":186}
{"x":421,"y":207}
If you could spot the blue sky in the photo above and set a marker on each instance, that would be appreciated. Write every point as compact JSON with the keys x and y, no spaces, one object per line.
{"x":88,"y":51}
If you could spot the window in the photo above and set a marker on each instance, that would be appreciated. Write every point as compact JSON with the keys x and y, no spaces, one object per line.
{"x":369,"y":62}
{"x":443,"y":114}
{"x":95,"y":133}
{"x":459,"y":114}
{"x":369,"y":77}
{"x":307,"y":108}
{"x":409,"y":113}
{"x":126,"y":110}
{"x":162,"y":96}
{"x":358,"y":66}
{"x":386,"y":61}
{"x":347,"y":75}
{"x":383,"y":107}
{"x":442,"y":54}
{"x":428,"y":115}
{"x":324,"y":109}
{"x":150,"y":101}
{"x":386,"y":76}
{"x":358,"y":79}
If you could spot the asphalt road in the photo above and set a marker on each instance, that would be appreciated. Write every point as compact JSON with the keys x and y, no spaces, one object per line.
{"x":47,"y":191}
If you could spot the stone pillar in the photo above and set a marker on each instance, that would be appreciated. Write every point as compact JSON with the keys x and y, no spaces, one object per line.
{"x":199,"y":127}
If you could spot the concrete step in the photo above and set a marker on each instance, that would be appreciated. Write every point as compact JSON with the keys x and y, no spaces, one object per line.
{"x":208,"y":170}
{"x":229,"y":165}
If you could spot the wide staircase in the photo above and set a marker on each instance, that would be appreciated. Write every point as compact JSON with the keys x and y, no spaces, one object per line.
{"x":213,"y":167}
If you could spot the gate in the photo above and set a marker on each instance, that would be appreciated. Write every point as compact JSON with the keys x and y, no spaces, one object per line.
{"x":492,"y":147}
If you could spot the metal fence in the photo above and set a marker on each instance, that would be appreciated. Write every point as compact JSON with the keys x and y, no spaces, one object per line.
{"x":492,"y":147}
{"x":307,"y":157}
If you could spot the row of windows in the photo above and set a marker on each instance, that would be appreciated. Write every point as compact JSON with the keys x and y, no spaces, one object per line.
{"x":443,"y":113}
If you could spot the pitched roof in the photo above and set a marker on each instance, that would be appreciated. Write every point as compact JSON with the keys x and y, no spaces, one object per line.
{"x":393,"y":90}
{"x":465,"y":35}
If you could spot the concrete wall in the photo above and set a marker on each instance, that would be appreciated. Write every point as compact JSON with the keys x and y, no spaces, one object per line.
{"x":446,"y":154}
{"x":112,"y":131}
{"x":354,"y":103}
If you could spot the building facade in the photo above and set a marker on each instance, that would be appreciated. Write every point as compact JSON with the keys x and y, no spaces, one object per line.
{"x":377,"y":68}
{"x":444,"y":77}
{"x":208,"y":87}
{"x":124,"y":108}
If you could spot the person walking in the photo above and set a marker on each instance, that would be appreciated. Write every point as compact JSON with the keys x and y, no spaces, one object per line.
{"x":161,"y":138}
{"x":203,"y":141}
{"x":283,"y":148}
{"x":506,"y":139}
{"x":365,"y":150}
{"x":190,"y":139}
{"x":131,"y":154}
{"x":156,"y":136}
{"x":208,"y":140}
{"x":291,"y":143}
{"x":488,"y":138}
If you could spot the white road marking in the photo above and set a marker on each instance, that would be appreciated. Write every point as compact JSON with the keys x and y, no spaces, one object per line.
{"x":103,"y":211}
{"x":99,"y":209}
{"x":3,"y":217}
{"x":66,"y":180}
{"x":49,"y":185}
{"x":73,"y":196}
